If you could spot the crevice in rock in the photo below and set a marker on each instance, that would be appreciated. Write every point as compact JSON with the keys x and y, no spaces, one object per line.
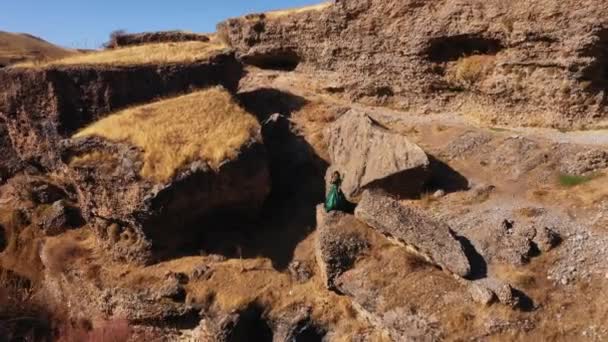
{"x":251,"y":326}
{"x":3,"y":239}
{"x":288,"y":214}
{"x":451,"y":48}
{"x":596,"y":73}
{"x":264,"y":102}
{"x":187,"y":321}
{"x":281,"y":59}
{"x":307,"y":332}
{"x":445,"y":178}
{"x":479,"y":266}
{"x":524,"y":302}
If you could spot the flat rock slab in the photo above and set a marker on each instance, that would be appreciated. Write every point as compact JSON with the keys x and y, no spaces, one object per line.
{"x":413,"y":228}
{"x":370,"y":156}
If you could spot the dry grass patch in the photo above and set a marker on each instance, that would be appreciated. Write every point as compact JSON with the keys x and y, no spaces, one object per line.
{"x":311,"y":121}
{"x":207,"y":125}
{"x":161,"y":53}
{"x":290,"y":11}
{"x":471,"y":69}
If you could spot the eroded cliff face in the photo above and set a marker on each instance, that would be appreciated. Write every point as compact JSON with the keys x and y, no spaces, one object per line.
{"x":9,"y":162}
{"x":42,"y":106}
{"x":539,"y":63}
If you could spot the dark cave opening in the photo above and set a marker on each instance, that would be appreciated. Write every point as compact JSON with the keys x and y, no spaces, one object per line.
{"x":282,"y":60}
{"x":3,"y":239}
{"x":309,"y":333}
{"x":596,"y":73}
{"x":251,"y":326}
{"x":447,"y":49}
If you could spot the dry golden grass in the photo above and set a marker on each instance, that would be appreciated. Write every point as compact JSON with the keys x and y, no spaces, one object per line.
{"x":161,"y":53}
{"x":311,"y":121}
{"x":21,"y":47}
{"x":290,"y":11}
{"x":471,"y":69}
{"x":206,"y":125}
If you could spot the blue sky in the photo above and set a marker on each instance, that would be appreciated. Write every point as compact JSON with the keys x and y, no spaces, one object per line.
{"x":88,"y":23}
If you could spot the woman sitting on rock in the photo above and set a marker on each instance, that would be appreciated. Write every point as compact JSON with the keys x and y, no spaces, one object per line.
{"x":335,"y":201}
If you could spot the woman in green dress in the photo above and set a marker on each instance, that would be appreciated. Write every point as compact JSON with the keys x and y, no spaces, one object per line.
{"x":335,"y":201}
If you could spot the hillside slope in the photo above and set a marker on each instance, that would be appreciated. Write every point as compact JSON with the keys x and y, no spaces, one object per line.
{"x":19,"y":47}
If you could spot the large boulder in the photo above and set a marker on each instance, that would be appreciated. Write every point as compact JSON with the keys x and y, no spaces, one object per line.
{"x":161,"y":191}
{"x":340,"y":240}
{"x":370,"y":156}
{"x":414,"y":229}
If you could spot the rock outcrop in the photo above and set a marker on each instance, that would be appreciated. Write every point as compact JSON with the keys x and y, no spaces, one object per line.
{"x":120,"y":39}
{"x":495,"y":60}
{"x":585,"y":163}
{"x":339,"y":242}
{"x":432,"y":239}
{"x":43,"y":105}
{"x":371,"y":157}
{"x":137,"y":213}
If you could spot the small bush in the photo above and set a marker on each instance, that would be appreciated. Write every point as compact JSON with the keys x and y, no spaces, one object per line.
{"x":574,"y":180}
{"x":471,"y":69}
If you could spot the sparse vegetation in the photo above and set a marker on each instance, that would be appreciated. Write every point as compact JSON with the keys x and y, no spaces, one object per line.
{"x":311,"y":120}
{"x":207,"y":125}
{"x":291,"y":11}
{"x":22,"y":317}
{"x":471,"y":69}
{"x":161,"y":53}
{"x":574,"y":180}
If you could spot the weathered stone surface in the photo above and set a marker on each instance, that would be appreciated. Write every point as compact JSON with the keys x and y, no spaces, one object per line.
{"x":410,"y":227}
{"x":509,"y":243}
{"x":150,"y":213}
{"x":370,"y":156}
{"x":546,"y":239}
{"x":301,"y":271}
{"x":585,"y":163}
{"x":503,"y":291}
{"x":509,"y":58}
{"x":42,"y":106}
{"x":9,"y":161}
{"x":481,"y":294}
{"x":121,"y":39}
{"x":56,"y":219}
{"x":45,"y":193}
{"x":339,"y":243}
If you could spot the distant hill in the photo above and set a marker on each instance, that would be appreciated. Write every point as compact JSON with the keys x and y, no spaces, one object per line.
{"x":19,"y":47}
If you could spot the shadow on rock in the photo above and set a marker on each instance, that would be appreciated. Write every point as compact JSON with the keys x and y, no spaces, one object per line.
{"x":288,"y":215}
{"x":445,"y":178}
{"x":479,"y":267}
{"x":524,"y":302}
{"x":266,"y":101}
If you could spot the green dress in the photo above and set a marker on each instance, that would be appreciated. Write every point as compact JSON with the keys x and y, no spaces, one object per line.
{"x":335,"y":198}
